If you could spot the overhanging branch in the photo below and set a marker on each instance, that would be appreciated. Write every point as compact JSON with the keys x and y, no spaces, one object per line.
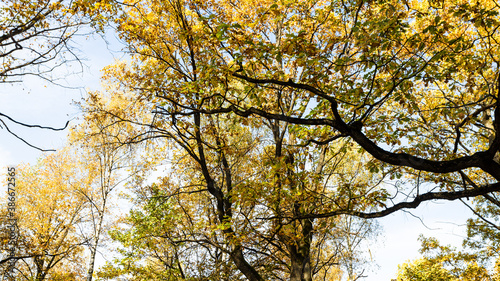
{"x":429,"y":196}
{"x":482,"y":159}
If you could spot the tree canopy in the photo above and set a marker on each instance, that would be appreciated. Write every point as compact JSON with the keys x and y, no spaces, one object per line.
{"x":412,"y":83}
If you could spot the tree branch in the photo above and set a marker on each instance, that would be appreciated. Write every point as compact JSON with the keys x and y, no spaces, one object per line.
{"x":429,"y":196}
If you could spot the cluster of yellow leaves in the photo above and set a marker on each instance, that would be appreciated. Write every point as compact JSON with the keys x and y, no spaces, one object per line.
{"x":50,"y":205}
{"x":443,"y":263}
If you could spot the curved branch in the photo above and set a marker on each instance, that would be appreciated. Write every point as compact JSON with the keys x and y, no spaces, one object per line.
{"x":35,"y":126}
{"x":429,"y":196}
{"x":482,"y":159}
{"x":29,"y":126}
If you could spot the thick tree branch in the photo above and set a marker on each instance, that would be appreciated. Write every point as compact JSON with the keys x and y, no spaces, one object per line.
{"x":429,"y":196}
{"x":483,"y":160}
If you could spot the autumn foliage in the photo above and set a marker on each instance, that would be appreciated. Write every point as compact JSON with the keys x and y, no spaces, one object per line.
{"x":283,"y":127}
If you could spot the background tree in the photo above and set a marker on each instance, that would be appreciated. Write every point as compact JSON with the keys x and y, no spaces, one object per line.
{"x":50,"y":208}
{"x":477,"y":260}
{"x":444,"y":263}
{"x":423,"y":269}
{"x":483,"y":229}
{"x":110,"y":162}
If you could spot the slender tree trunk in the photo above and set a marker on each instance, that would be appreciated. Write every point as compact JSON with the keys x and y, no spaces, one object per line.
{"x":93,"y":248}
{"x":298,"y":249}
{"x":224,"y":205}
{"x":300,"y":254}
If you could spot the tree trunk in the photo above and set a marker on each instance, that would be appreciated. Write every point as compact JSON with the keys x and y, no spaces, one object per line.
{"x":300,"y":254}
{"x":93,"y":248}
{"x":40,"y":272}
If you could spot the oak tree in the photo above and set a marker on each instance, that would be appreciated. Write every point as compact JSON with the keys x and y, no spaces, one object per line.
{"x":241,"y":190}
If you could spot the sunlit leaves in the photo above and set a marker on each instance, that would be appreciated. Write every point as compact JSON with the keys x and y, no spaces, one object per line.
{"x":51,"y":207}
{"x":444,"y":263}
{"x":257,"y":101}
